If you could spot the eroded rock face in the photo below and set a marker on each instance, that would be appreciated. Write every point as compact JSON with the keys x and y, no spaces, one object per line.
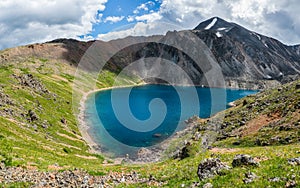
{"x":211,"y":167}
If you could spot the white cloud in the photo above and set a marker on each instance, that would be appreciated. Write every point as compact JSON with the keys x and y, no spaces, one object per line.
{"x":140,"y":29}
{"x":30,"y":21}
{"x":113,"y":19}
{"x":23,"y":22}
{"x":144,"y":7}
{"x":130,"y":18}
{"x":149,"y":17}
{"x":276,"y":18}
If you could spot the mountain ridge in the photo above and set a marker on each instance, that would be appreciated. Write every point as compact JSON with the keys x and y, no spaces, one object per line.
{"x":247,"y":59}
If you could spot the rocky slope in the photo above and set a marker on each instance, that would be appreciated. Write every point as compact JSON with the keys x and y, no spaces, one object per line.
{"x":247,"y":55}
{"x":271,"y":117}
{"x":243,"y":58}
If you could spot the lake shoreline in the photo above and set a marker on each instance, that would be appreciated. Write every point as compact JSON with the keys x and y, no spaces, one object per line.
{"x":82,"y":125}
{"x":158,"y":150}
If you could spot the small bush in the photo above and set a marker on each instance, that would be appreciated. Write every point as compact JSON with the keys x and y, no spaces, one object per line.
{"x":67,"y":150}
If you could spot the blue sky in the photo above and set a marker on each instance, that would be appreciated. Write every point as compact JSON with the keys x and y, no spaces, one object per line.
{"x":124,"y":9}
{"x":32,"y":21}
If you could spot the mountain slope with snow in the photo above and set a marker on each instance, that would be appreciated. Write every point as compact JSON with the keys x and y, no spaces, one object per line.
{"x":245,"y":54}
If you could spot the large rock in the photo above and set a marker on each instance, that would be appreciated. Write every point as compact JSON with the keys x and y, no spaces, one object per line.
{"x":32,"y":115}
{"x":294,"y":161}
{"x":243,"y":160}
{"x":249,"y":177}
{"x":211,"y":167}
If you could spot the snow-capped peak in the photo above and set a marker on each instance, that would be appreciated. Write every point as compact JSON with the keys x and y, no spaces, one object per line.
{"x":211,"y":24}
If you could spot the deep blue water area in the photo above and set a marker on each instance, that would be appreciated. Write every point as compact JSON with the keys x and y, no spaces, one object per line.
{"x":122,"y":120}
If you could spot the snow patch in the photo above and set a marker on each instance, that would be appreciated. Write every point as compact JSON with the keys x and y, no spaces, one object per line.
{"x":228,"y":29}
{"x":266,"y":45}
{"x":222,"y":29}
{"x":268,"y":77}
{"x":264,"y":42}
{"x":211,"y":24}
{"x":219,"y":34}
{"x":259,"y":38}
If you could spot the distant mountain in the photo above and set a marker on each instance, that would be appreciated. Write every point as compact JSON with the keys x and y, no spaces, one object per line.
{"x":246,"y":54}
{"x":247,"y":59}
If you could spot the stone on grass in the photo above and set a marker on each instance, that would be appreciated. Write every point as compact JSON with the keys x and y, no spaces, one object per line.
{"x":207,"y":185}
{"x":211,"y":167}
{"x":294,"y":161}
{"x":243,"y":160}
{"x":249,"y":177}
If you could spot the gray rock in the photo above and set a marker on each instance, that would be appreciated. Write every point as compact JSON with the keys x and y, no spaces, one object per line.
{"x":32,"y":115}
{"x":275,"y":179}
{"x":291,"y":184}
{"x":197,"y":136}
{"x":249,"y":177}
{"x":207,"y":185}
{"x":294,"y":161}
{"x":241,"y":159}
{"x":211,"y":167}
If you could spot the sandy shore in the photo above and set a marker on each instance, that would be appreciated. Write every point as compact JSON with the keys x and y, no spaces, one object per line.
{"x":82,"y":125}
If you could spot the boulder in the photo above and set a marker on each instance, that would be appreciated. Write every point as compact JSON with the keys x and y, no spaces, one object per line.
{"x":275,"y":179}
{"x":294,"y":161}
{"x":243,"y":160}
{"x":32,"y":115}
{"x":291,"y":184}
{"x":249,"y":177}
{"x":211,"y":167}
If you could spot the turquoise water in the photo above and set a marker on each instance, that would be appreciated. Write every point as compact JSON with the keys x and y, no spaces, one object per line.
{"x":144,"y":116}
